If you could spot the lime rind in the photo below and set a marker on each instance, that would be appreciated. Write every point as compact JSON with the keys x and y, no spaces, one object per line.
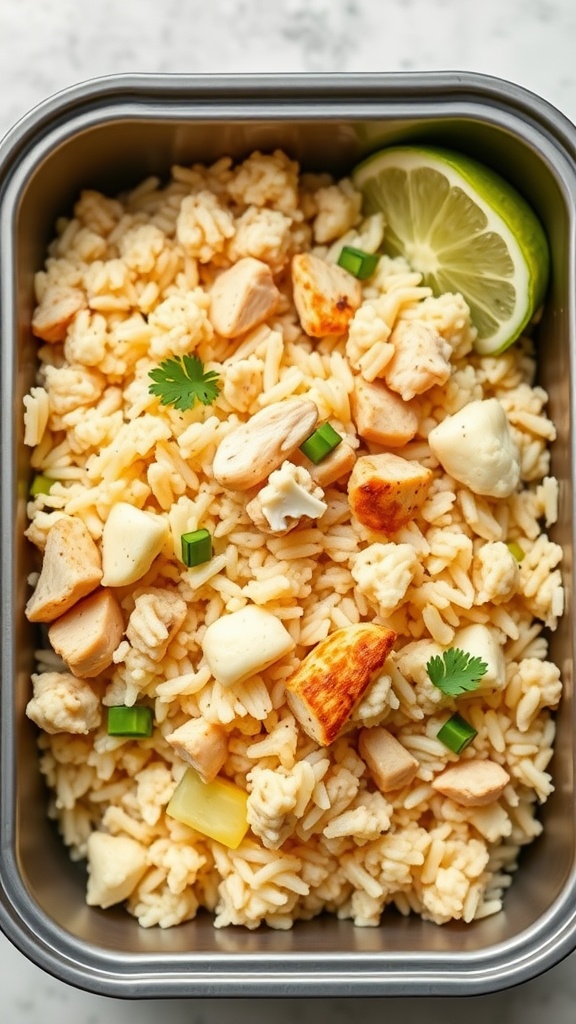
{"x":473,"y":221}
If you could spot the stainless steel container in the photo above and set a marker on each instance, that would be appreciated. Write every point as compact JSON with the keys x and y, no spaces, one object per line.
{"x":108,"y":134}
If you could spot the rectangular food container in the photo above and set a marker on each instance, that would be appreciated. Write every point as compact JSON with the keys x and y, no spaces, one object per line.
{"x":109,"y":134}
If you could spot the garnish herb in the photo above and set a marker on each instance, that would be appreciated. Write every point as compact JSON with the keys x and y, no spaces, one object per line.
{"x":357,"y":262}
{"x":456,"y":671}
{"x":135,"y":721}
{"x":456,"y":734}
{"x":196,"y":547}
{"x":180,"y":381}
{"x":321,"y":443}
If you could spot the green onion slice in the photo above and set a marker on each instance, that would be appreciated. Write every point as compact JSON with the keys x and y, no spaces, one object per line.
{"x":456,"y":734}
{"x":196,"y":547}
{"x":357,"y":262}
{"x":516,"y":550}
{"x":321,"y":443}
{"x":40,"y":485}
{"x":135,"y":721}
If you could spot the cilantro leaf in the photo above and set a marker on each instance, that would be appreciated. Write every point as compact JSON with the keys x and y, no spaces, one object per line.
{"x":456,"y":671}
{"x":180,"y":381}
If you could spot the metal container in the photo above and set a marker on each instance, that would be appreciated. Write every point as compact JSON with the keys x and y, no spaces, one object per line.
{"x":109,"y":134}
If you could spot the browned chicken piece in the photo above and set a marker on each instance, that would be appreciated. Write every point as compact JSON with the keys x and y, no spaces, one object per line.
{"x":87,"y":635}
{"x":390,"y":764}
{"x":472,"y":783}
{"x":56,"y":312}
{"x":421,"y":359}
{"x":386,"y":491}
{"x":382,"y":416}
{"x":333,"y":678}
{"x":202,"y":745}
{"x":334,"y":467}
{"x":71,"y":569}
{"x":326,"y":296}
{"x":242,"y":297}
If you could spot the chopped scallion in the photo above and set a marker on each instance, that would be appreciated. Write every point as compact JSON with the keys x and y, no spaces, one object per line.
{"x":135,"y":721}
{"x":196,"y":547}
{"x":357,"y":262}
{"x":456,"y":734}
{"x":321,"y":443}
{"x":40,"y":485}
{"x":516,"y":550}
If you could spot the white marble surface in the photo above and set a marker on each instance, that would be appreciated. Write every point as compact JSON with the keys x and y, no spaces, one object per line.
{"x":49,"y":45}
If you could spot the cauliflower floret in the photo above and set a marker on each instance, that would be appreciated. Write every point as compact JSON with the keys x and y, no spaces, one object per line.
{"x":154,"y":788}
{"x":63,"y":703}
{"x":367,"y":818}
{"x":449,"y":314}
{"x":541,"y":582}
{"x":495,"y":573}
{"x":378,"y":700}
{"x":115,"y":865}
{"x":289,"y":497}
{"x":421,"y":359}
{"x":141,"y":246}
{"x":277,"y":800}
{"x":180,"y":324}
{"x":534,"y":685}
{"x":157,"y":617}
{"x":263,"y":234}
{"x":266,"y":180}
{"x":203,"y":226}
{"x":384,"y":572}
{"x":71,"y":386}
{"x":338,"y":210}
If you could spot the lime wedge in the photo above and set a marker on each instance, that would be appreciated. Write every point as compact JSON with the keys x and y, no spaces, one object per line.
{"x":466,"y":230}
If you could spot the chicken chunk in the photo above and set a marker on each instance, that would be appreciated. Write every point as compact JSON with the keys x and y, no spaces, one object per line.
{"x":326,"y":296}
{"x":115,"y":866}
{"x":63,"y":703}
{"x":390,"y":764}
{"x":333,"y":678}
{"x":386,"y":491}
{"x":335,"y":466}
{"x":289,"y":497}
{"x":238,"y":645}
{"x":87,"y":635}
{"x":242,"y":297}
{"x":71,"y":569}
{"x":472,"y":783}
{"x":381,"y":415}
{"x":202,"y":745}
{"x":421,"y":359}
{"x":56,"y":312}
{"x":131,"y":540}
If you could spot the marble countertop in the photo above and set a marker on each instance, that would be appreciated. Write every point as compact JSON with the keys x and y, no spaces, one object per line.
{"x":45,"y":47}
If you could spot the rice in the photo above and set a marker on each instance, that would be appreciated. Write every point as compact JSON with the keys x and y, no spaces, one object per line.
{"x":322,"y":836}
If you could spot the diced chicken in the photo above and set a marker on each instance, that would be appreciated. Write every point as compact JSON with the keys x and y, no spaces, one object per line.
{"x":476,"y":447}
{"x":71,"y":569}
{"x":472,"y":783}
{"x":202,"y":745}
{"x":332,"y":679}
{"x":386,"y":491}
{"x":131,"y":540}
{"x":335,"y":466}
{"x":390,"y":764}
{"x":87,"y":635}
{"x":242,"y":297}
{"x":381,"y":415}
{"x":482,"y":642}
{"x":63,"y":703}
{"x":56,"y":312}
{"x":248,"y":454}
{"x":289,"y":497}
{"x":325,"y":295}
{"x":421,"y":359}
{"x":115,"y":866}
{"x":238,"y":645}
{"x":154,"y":621}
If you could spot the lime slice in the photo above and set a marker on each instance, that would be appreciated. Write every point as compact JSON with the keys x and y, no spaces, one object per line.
{"x":466,"y":230}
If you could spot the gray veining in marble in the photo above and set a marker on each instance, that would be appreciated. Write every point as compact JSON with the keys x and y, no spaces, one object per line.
{"x":45,"y":46}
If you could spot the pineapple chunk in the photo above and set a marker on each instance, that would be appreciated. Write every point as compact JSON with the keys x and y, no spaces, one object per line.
{"x":216,"y":809}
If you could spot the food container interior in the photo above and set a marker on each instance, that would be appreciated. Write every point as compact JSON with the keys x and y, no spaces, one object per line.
{"x":111,"y":145}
